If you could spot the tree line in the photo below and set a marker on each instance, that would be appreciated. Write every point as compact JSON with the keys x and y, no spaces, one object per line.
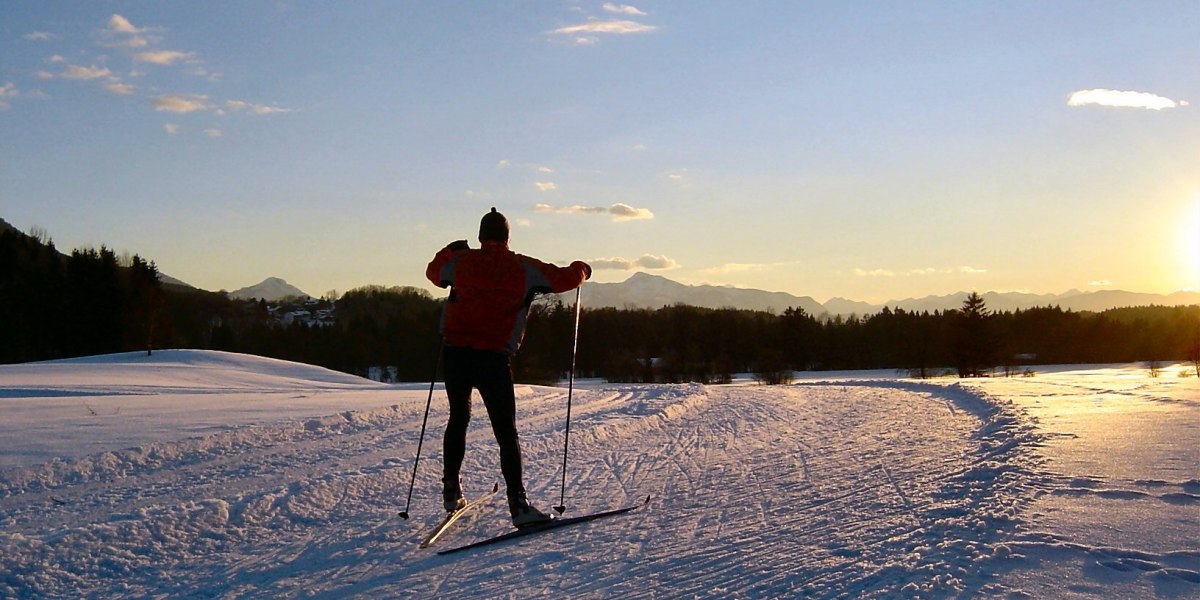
{"x":686,"y":343}
{"x":95,"y":302}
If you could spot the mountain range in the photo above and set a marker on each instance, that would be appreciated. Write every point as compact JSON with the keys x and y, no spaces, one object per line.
{"x":644,"y":290}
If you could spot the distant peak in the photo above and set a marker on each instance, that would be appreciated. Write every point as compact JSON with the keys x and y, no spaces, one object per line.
{"x":270,"y":289}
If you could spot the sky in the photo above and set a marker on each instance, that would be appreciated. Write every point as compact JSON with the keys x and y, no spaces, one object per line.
{"x":865,"y":150}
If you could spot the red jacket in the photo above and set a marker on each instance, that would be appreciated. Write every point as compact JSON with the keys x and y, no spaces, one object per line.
{"x":493,"y":288}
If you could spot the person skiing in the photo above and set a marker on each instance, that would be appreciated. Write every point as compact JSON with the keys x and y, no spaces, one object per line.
{"x":483,"y":324}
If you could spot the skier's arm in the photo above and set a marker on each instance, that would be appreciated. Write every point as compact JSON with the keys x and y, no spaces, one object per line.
{"x":440,"y":271}
{"x":550,"y":278}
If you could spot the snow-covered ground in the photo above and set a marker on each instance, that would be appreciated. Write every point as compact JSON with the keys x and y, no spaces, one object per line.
{"x":202,"y":474}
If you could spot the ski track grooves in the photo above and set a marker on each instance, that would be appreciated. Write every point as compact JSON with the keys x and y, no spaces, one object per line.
{"x":758,"y":491}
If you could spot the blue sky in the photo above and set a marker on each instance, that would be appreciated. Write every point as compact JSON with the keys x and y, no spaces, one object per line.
{"x":866,"y":150}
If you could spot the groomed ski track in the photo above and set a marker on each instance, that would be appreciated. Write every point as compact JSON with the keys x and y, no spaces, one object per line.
{"x":820,"y":490}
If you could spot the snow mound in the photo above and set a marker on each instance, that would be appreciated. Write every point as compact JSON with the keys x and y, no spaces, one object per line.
{"x":97,"y":404}
{"x":174,"y":371}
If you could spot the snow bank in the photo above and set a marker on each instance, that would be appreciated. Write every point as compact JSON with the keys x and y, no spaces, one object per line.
{"x":73,"y":408}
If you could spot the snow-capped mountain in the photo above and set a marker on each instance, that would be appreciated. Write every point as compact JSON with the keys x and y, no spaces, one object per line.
{"x":270,"y":289}
{"x":643,"y":290}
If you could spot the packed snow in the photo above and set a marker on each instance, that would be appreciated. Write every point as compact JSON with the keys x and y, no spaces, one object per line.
{"x":207,"y":474}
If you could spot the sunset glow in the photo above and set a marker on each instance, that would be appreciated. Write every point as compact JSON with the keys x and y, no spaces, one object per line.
{"x":1189,"y":246}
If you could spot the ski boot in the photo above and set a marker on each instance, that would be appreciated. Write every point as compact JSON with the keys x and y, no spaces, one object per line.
{"x":452,"y":496}
{"x":524,"y":515}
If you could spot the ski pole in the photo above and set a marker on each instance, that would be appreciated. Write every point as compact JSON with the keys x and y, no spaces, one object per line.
{"x":562,"y":507}
{"x":432,"y":381}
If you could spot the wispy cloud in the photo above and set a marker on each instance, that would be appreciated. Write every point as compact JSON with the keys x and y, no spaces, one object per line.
{"x":257,"y":109}
{"x":586,"y":33}
{"x":571,"y":210}
{"x":614,"y":27}
{"x":181,"y":103}
{"x":964,"y":270}
{"x":678,"y":177}
{"x":508,"y":164}
{"x":121,"y":89}
{"x":121,"y":33}
{"x":85,"y":73}
{"x":545,"y":186}
{"x":1100,"y":283}
{"x":162,"y":57}
{"x":619,"y":211}
{"x":1122,"y":99}
{"x":119,"y":24}
{"x":738,"y":268}
{"x":622,"y":9}
{"x":138,"y":45}
{"x":648,"y":262}
{"x":7,"y":91}
{"x":625,"y":212}
{"x":729,"y":268}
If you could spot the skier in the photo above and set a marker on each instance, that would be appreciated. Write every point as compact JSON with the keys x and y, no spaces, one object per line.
{"x":484,"y":321}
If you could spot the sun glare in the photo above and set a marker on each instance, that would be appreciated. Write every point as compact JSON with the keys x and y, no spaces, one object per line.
{"x":1189,"y":246}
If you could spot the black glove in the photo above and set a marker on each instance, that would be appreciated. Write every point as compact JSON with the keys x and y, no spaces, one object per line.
{"x":458,"y":245}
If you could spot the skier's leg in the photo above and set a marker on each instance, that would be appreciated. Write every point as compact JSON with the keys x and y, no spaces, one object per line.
{"x":496,"y":387}
{"x":458,"y":369}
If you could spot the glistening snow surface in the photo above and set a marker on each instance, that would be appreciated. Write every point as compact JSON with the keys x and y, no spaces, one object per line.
{"x":220,"y":475}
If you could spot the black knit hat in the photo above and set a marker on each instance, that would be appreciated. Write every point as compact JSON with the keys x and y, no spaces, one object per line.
{"x":493,"y":227}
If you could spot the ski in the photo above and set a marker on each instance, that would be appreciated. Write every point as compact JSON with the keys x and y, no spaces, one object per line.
{"x":552,"y":524}
{"x":453,"y":516}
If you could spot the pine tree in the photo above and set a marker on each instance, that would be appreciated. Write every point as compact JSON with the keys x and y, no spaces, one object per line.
{"x":975,"y":346}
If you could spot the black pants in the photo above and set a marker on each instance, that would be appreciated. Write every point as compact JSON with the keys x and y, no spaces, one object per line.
{"x":490,"y":373}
